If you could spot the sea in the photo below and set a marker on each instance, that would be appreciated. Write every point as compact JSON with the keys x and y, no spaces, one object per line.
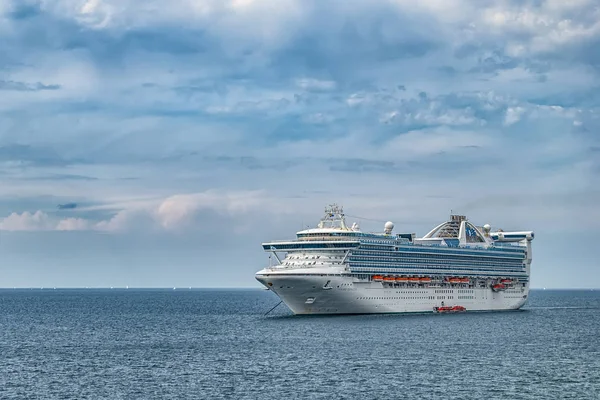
{"x":219,"y":344}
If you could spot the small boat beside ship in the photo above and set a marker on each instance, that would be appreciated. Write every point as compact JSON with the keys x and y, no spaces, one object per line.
{"x":449,"y":309}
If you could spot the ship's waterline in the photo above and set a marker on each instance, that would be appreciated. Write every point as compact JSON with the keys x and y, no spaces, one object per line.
{"x":458,"y":266}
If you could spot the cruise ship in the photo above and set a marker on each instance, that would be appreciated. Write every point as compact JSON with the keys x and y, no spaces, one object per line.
{"x":458,"y":266}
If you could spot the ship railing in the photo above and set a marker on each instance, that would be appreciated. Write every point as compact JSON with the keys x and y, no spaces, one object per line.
{"x":317,"y":239}
{"x":515,"y":248}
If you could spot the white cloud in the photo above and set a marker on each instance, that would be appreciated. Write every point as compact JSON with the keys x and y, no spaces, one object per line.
{"x":240,"y":23}
{"x":513,"y":115}
{"x":95,"y":13}
{"x":269,"y":25}
{"x":26,"y":221}
{"x":546,"y":28}
{"x":175,"y":212}
{"x":315,"y":84}
{"x":432,"y":116}
{"x":178,"y":211}
{"x":73,"y":224}
{"x":417,"y":144}
{"x":132,"y":219}
{"x":41,"y":221}
{"x":356,"y":99}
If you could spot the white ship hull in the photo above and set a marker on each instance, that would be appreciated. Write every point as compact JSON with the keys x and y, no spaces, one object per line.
{"x":310,"y":294}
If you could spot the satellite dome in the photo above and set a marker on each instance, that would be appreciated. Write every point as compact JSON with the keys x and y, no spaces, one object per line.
{"x":388,"y":227}
{"x":487,"y":227}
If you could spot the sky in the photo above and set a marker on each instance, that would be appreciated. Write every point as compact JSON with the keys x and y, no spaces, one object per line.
{"x":157,"y":144}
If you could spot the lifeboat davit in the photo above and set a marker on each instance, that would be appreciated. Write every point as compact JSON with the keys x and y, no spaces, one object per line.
{"x":449,"y":309}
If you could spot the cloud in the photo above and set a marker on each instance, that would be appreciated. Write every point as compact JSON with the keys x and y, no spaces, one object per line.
{"x":174,"y":213}
{"x":315,"y":84}
{"x":26,"y":87}
{"x":128,"y":220}
{"x":551,"y":26}
{"x":41,"y":221}
{"x":73,"y":224}
{"x":26,"y":221}
{"x":513,"y":115}
{"x":242,"y":211}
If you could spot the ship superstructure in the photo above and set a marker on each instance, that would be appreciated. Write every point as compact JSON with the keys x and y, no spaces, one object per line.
{"x":457,"y":266}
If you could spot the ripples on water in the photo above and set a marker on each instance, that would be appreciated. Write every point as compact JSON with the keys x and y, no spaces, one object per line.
{"x":217,"y":344}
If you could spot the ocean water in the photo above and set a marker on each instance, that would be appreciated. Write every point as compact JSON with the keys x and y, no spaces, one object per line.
{"x":213,"y":344}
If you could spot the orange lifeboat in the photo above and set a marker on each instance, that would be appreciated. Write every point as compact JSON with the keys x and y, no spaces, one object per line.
{"x":377,"y":278}
{"x":414,"y":279}
{"x":425,"y":279}
{"x":401,"y":279}
{"x":389,"y":278}
{"x":465,"y":280}
{"x":454,"y":280}
{"x":506,"y":281}
{"x":498,"y":287}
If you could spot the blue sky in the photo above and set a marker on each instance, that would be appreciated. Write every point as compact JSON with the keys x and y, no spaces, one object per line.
{"x":185,"y":134}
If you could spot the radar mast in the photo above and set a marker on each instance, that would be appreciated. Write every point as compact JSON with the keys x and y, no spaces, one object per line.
{"x":333,"y":218}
